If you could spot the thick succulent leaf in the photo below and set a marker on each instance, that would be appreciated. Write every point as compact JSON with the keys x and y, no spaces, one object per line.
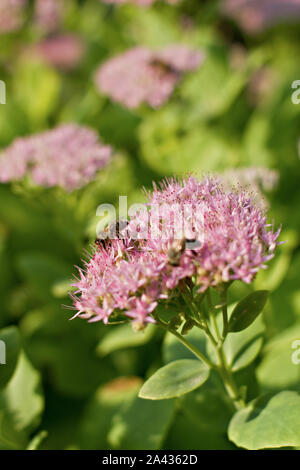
{"x":37,"y":440}
{"x":124,"y":336}
{"x":208,"y":407}
{"x":175,"y":379}
{"x":42,"y":271}
{"x":247,"y":310}
{"x":268,"y":422}
{"x":10,"y":347}
{"x":21,"y":405}
{"x":22,"y":397}
{"x":141,"y":424}
{"x":241,"y":349}
{"x":206,"y":412}
{"x":280,"y":365}
{"x":102,"y":407}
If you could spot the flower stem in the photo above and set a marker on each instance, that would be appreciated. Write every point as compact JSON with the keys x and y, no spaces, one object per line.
{"x":217,"y":342}
{"x":222,"y":367}
{"x":223,"y":296}
{"x":229,"y":382}
{"x":187,"y":344}
{"x":212,"y":316}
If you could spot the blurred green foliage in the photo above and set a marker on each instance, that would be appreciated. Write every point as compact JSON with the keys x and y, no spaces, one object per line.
{"x":78,"y":381}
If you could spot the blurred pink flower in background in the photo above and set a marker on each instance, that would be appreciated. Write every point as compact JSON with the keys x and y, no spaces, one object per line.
{"x":63,"y":51}
{"x":257,"y":180}
{"x":48,"y":14}
{"x":68,"y":156}
{"x":179,"y":57}
{"x":255,"y":15}
{"x":11,"y":15}
{"x":261,"y":85}
{"x":141,"y":75}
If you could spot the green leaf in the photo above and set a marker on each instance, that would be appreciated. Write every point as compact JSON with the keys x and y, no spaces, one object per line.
{"x":141,"y":425}
{"x":37,"y":440}
{"x":124,"y":336}
{"x":10,"y":346}
{"x":169,"y":148}
{"x":186,"y":433}
{"x":36,"y":88}
{"x":21,"y":405}
{"x":242,"y":349}
{"x":247,"y":310}
{"x":166,"y":311}
{"x":22,"y":398}
{"x":215,"y":74}
{"x":207,"y":412}
{"x":276,"y":273}
{"x":106,"y":402}
{"x":42,"y":271}
{"x":268,"y":422}
{"x":208,"y":407}
{"x":175,"y":379}
{"x":280,"y":365}
{"x":57,"y":344}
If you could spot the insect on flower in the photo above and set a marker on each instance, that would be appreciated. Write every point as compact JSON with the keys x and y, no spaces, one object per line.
{"x":161,"y":67}
{"x":178,"y":247}
{"x":111,"y":231}
{"x":226,"y":238}
{"x":175,"y":252}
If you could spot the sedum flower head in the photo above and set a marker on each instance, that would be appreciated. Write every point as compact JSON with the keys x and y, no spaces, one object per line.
{"x":11,"y":15}
{"x":257,"y":180}
{"x":222,"y":237}
{"x":48,"y":14}
{"x":141,"y":75}
{"x":68,"y":156}
{"x":63,"y":51}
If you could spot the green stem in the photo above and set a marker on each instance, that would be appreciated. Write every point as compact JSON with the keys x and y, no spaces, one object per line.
{"x":229,"y":382}
{"x":222,"y":367}
{"x":187,"y":344}
{"x":212,"y":316}
{"x":223,"y":296}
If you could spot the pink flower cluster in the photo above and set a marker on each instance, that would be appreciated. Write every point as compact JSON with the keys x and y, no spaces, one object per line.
{"x":63,"y":51}
{"x":130,"y":274}
{"x":141,"y":75}
{"x":48,"y":14}
{"x":11,"y":15}
{"x":255,"y":15}
{"x":68,"y":156}
{"x":257,"y":180}
{"x":257,"y":177}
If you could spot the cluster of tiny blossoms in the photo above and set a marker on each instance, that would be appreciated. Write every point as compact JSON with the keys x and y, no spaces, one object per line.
{"x":68,"y":156}
{"x":141,"y":75}
{"x":48,"y":14}
{"x":255,"y":15}
{"x":256,"y":179}
{"x":63,"y":51}
{"x":130,"y":274}
{"x":11,"y":15}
